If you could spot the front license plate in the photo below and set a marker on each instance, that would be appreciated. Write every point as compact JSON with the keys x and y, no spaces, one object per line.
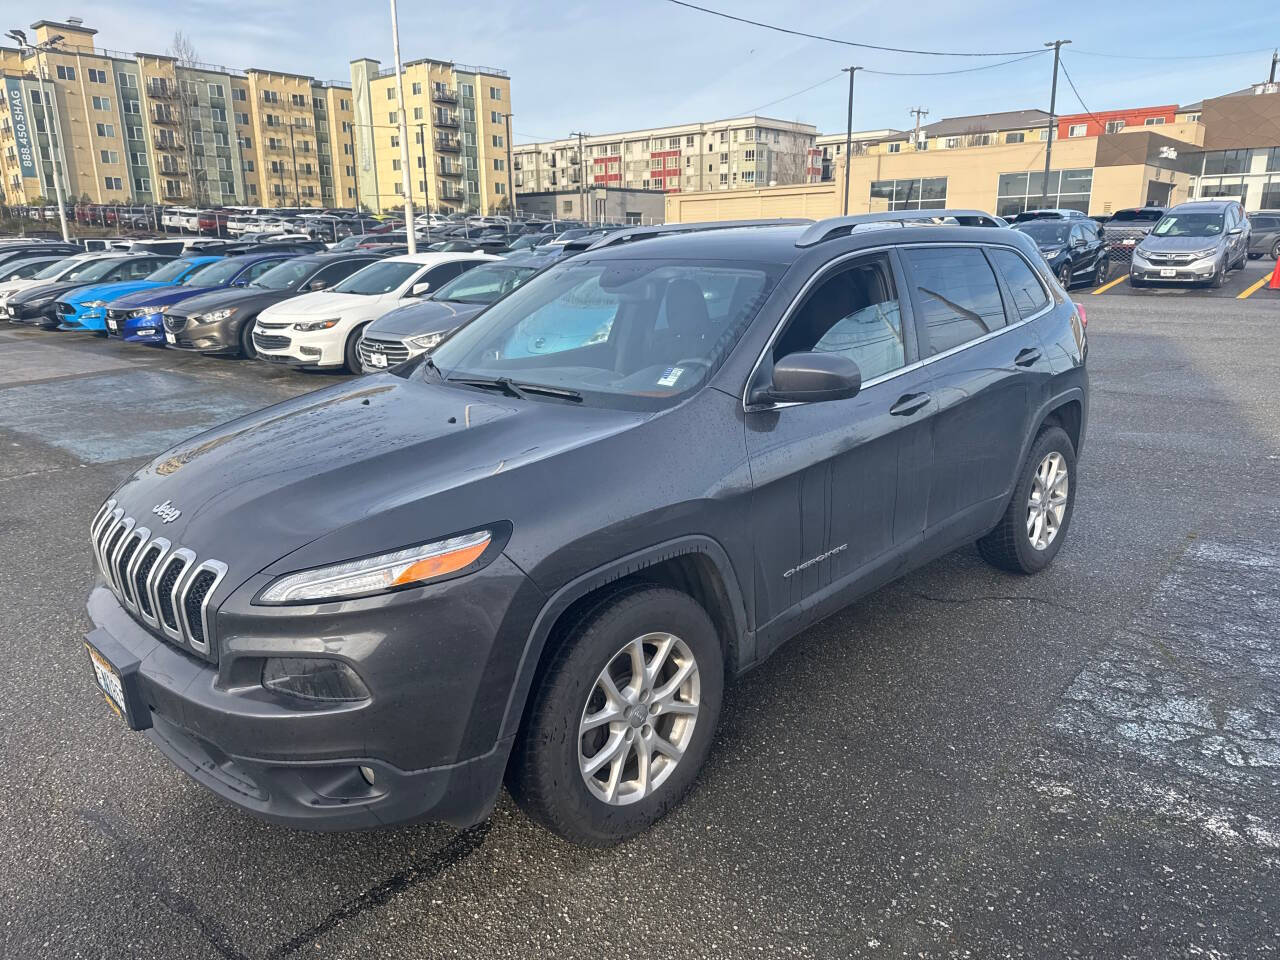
{"x":1168,"y":273}
{"x":116,"y":675}
{"x":377,"y":359}
{"x":169,"y":337}
{"x":112,"y":326}
{"x":1128,"y":243}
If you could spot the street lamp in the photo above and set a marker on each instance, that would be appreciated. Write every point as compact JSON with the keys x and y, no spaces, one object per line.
{"x":49,"y":104}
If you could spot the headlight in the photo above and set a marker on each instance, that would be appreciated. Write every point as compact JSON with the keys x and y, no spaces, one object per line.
{"x":316,"y":325}
{"x":95,"y":303}
{"x":427,"y":341}
{"x":390,"y":571}
{"x":1050,"y":252}
{"x":1203,"y":254}
{"x":216,"y":315}
{"x":148,"y":311}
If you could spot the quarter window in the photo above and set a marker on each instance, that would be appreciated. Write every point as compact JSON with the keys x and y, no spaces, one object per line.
{"x":957,"y":296}
{"x":1028,"y":292}
{"x":854,"y":313}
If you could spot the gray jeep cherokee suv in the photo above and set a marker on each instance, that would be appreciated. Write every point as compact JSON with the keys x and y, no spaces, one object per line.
{"x":376,"y":602}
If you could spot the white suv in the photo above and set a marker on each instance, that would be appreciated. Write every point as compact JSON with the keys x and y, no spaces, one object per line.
{"x":322,"y":329}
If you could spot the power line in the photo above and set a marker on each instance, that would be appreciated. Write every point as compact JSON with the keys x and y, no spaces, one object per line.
{"x":812,"y":86}
{"x":944,"y":73}
{"x":847,"y":43}
{"x":1189,"y":56}
{"x":1067,"y":73}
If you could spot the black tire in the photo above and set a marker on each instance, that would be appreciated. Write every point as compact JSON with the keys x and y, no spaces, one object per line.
{"x":247,"y":349}
{"x":1219,"y":278}
{"x":544,"y":774}
{"x":1100,"y":274}
{"x":1275,"y":251}
{"x":350,"y":355}
{"x":1136,"y":283}
{"x":1009,"y":546}
{"x":1064,"y":276}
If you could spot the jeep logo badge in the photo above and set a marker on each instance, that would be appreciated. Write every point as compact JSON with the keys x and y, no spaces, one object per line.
{"x":166,"y":511}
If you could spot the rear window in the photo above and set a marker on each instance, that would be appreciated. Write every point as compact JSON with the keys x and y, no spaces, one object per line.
{"x":958,"y":296}
{"x":1265,"y":223}
{"x":1028,"y":292}
{"x":1136,"y":216}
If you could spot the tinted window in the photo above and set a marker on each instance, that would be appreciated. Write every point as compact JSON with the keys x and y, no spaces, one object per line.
{"x":854,"y":313}
{"x":170,"y":271}
{"x":1265,"y":223}
{"x":1028,"y":292}
{"x":443,"y":274}
{"x":214,"y":274}
{"x":485,"y":284}
{"x":283,"y":276}
{"x":958,"y":296}
{"x":1136,"y":216}
{"x":258,"y":269}
{"x":339,"y":271}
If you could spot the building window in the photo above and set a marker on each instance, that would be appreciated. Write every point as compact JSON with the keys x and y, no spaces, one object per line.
{"x":1114,"y":126}
{"x":749,"y":156}
{"x":215,"y":91}
{"x":242,"y":119}
{"x":1018,"y":137}
{"x":688,"y":141}
{"x":498,"y":141}
{"x":127,"y":80}
{"x":1153,"y":122}
{"x":416,"y":88}
{"x":395,"y":163}
{"x":239,"y":93}
{"x":926,"y":193}
{"x":131,"y":106}
{"x":1016,"y":192}
{"x":113,"y":183}
{"x":950,"y":143}
{"x":499,"y":164}
{"x":1044,"y":134}
{"x":724,"y":181}
{"x":495,"y":93}
{"x":896,"y":146}
{"x":1218,"y":162}
{"x":392,"y":118}
{"x":270,"y":96}
{"x":499,"y":188}
{"x":97,"y":76}
{"x":417,"y":113}
{"x":1193,"y":118}
{"x":109,"y":156}
{"x":141,"y":185}
{"x":468,"y":90}
{"x":748,"y":176}
{"x":106,"y":130}
{"x":102,"y":103}
{"x":66,"y":73}
{"x":391,"y":93}
{"x":135,"y":133}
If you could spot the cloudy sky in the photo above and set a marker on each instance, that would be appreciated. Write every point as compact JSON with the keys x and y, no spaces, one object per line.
{"x":604,"y":66}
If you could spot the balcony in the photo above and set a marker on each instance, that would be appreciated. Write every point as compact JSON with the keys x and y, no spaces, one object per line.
{"x":164,"y":117}
{"x":443,"y":95}
{"x":174,"y":170}
{"x":448,"y":145}
{"x":517,"y":164}
{"x":446,"y":169}
{"x":161,"y":91}
{"x":445,"y":120}
{"x":168,"y":143}
{"x":450,"y":192}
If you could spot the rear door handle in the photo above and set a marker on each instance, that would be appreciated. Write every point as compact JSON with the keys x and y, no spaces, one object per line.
{"x":1028,"y":357}
{"x":910,"y":403}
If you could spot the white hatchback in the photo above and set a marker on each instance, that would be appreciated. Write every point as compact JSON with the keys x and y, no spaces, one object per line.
{"x":322,"y":329}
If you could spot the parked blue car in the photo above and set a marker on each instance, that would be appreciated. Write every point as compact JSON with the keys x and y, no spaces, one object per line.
{"x":86,"y":308}
{"x":138,"y":317}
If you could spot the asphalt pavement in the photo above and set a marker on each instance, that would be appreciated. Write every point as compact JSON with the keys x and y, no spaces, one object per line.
{"x":964,"y":764}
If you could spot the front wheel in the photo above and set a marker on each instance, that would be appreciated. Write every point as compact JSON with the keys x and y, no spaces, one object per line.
{"x":622,"y":719}
{"x":1064,"y":276}
{"x":1100,"y":274}
{"x":351,"y":352}
{"x":1031,"y":532}
{"x":1275,"y":251}
{"x":247,"y":349}
{"x":1219,"y":276}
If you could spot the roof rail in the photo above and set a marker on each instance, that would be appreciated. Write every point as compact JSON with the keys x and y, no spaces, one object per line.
{"x":627,"y":235}
{"x":834,"y":227}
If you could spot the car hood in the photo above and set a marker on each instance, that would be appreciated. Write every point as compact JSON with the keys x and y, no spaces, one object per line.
{"x":224,"y":297}
{"x":45,"y":288}
{"x":158,"y":297}
{"x":110,"y":291}
{"x":1154,"y":244}
{"x":381,"y":459}
{"x":326,"y":303}
{"x":416,"y":319}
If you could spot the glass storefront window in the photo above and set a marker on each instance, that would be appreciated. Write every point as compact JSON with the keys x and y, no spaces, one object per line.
{"x":927,"y":193}
{"x":1068,"y":189}
{"x":1226,"y":161}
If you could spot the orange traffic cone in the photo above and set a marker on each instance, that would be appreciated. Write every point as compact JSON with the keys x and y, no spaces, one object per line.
{"x":1275,"y":278}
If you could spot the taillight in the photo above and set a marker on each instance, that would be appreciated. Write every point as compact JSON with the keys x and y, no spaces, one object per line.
{"x":1084,"y":317}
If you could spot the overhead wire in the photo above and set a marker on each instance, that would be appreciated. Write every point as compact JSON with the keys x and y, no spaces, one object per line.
{"x":945,"y":73}
{"x":1083,"y":106}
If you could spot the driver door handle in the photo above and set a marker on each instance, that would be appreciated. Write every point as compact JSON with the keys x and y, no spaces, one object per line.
{"x":910,"y":403}
{"x":1028,"y":357}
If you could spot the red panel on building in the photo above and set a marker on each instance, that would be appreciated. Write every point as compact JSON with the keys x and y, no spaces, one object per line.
{"x":1096,"y":123}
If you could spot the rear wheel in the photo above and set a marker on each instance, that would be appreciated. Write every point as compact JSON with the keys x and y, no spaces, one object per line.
{"x":1031,"y":532}
{"x":1275,"y":251}
{"x":622,"y":719}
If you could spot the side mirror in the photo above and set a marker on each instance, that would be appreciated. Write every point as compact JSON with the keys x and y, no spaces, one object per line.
{"x":1236,"y":231}
{"x":811,"y":378}
{"x":418,"y":289}
{"x":317,"y":285}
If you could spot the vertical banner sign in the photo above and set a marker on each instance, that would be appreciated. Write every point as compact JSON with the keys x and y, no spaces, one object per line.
{"x":21,"y":125}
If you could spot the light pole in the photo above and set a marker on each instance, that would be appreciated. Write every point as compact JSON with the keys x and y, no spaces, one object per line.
{"x":848,"y":137}
{"x":1053,"y":120}
{"x":51,"y":123}
{"x":511,"y":181}
{"x":406,"y":173}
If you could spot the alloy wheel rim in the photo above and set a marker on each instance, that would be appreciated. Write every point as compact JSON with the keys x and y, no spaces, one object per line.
{"x":639,"y":718}
{"x":1047,"y":503}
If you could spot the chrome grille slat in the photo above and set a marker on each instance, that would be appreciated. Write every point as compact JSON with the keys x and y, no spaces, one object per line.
{"x":137,"y":568}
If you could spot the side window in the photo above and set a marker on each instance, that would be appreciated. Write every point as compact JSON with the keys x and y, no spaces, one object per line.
{"x":854,"y":312}
{"x":1077,"y":235}
{"x":444,"y":273}
{"x":958,"y":296}
{"x":257,"y":270}
{"x":339,"y":271}
{"x":1029,"y":296}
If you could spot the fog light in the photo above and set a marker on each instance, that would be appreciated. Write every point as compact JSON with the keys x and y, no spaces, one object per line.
{"x":313,"y":678}
{"x":368,"y":774}
{"x":310,"y":351}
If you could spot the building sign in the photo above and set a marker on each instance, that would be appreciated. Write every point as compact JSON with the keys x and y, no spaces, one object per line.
{"x":21,"y":125}
{"x":1168,"y":153}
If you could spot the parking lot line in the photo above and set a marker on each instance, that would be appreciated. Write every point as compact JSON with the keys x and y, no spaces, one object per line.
{"x":1251,"y":290}
{"x":1107,"y":286}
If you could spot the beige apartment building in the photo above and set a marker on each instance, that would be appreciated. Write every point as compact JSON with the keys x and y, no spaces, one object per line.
{"x":147,"y":128}
{"x":457,"y":123}
{"x":720,"y":155}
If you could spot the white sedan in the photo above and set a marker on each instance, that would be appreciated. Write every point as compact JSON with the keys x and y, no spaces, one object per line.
{"x":322,"y":329}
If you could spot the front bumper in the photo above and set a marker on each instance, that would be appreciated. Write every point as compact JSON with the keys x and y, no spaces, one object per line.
{"x":213,"y":336}
{"x":41,"y":315}
{"x":1194,"y":271}
{"x":319,"y":348}
{"x":79,"y":317}
{"x":429,"y":730}
{"x":148,"y":329}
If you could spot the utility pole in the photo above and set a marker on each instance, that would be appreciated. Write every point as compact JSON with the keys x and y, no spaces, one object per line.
{"x":848,"y":137}
{"x":511,"y":180}
{"x":918,"y":113}
{"x":1275,"y":59}
{"x":406,"y":173}
{"x":1053,"y":119}
{"x":50,"y":118}
{"x":582,"y":178}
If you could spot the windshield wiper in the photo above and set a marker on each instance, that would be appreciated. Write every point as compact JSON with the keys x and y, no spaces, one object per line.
{"x":513,"y":389}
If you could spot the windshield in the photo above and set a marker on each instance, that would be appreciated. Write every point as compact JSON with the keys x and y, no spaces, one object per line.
{"x":213,"y":274}
{"x":631,"y":333}
{"x":93,"y":270}
{"x":286,"y":276}
{"x":170,"y":271}
{"x":1045,"y":232}
{"x":382,"y":277}
{"x":55,"y":270}
{"x":484,"y":284}
{"x":1190,"y":225}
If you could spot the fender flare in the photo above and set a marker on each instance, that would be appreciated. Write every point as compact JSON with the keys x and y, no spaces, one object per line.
{"x":1053,"y":403}
{"x":601,"y":576}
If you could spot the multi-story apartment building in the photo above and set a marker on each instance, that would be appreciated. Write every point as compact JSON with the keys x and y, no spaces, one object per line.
{"x":457,"y":122}
{"x":148,"y":128}
{"x":721,"y":155}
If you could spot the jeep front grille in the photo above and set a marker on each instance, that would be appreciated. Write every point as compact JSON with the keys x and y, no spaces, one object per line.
{"x":168,"y":589}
